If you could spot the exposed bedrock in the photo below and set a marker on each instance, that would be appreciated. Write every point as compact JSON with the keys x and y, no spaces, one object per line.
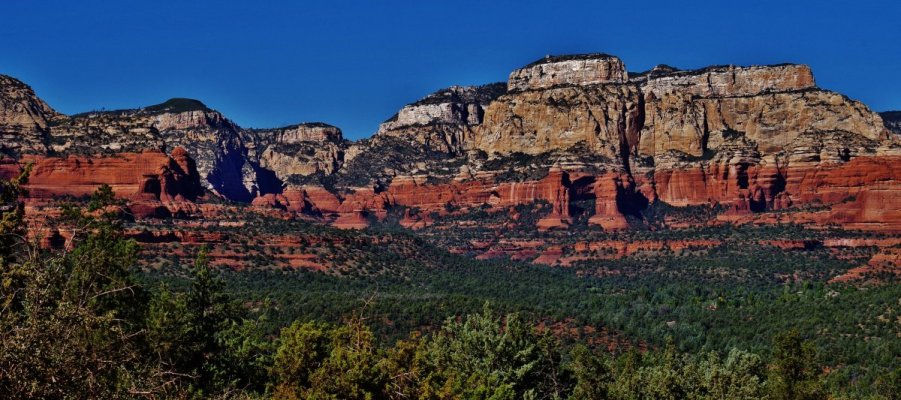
{"x":566,"y":130}
{"x":24,"y":118}
{"x":156,"y":183}
{"x":551,"y":71}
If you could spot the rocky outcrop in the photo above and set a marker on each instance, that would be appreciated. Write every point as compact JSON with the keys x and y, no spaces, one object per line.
{"x":453,"y":105}
{"x":359,"y":208}
{"x":216,"y":142}
{"x":24,"y":118}
{"x":876,"y":207}
{"x":556,"y":191}
{"x":610,"y":191}
{"x":774,"y":183}
{"x":442,"y":121}
{"x":721,"y":135}
{"x":211,"y":139}
{"x":310,"y":132}
{"x":296,"y":151}
{"x":666,"y":110}
{"x":126,"y":172}
{"x":563,"y":130}
{"x":551,"y":71}
{"x":156,"y":184}
{"x":772,"y":114}
{"x":536,"y":122}
{"x":727,"y":81}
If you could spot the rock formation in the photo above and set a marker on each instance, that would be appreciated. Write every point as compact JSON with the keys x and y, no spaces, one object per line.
{"x":580,"y":69}
{"x":158,"y":184}
{"x":453,"y":105}
{"x":688,"y":112}
{"x":562,"y":130}
{"x":442,"y":121}
{"x":733,"y":135}
{"x":24,"y":118}
{"x":210,"y":138}
{"x":296,"y":151}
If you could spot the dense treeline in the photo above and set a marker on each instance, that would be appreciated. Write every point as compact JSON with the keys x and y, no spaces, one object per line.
{"x":713,"y":301}
{"x":80,"y":323}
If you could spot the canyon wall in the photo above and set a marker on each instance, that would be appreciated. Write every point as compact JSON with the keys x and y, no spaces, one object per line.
{"x":561,"y":130}
{"x":296,"y":151}
{"x":747,"y":137}
{"x":156,"y":184}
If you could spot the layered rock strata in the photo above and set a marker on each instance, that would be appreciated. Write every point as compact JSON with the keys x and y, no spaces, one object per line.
{"x":158,"y":185}
{"x":551,"y":71}
{"x":297,"y":150}
{"x":442,"y":121}
{"x":562,"y":130}
{"x":744,"y":136}
{"x":24,"y":118}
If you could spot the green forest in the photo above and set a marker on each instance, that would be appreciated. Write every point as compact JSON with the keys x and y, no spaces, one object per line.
{"x":89,"y":321}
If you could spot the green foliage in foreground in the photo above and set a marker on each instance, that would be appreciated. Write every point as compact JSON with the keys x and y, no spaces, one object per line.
{"x":78,"y":324}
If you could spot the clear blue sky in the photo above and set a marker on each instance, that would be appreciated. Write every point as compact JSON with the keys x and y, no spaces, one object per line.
{"x":355,"y":63}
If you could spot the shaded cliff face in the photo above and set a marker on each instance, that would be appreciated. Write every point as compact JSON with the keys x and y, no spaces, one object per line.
{"x":892,"y":120}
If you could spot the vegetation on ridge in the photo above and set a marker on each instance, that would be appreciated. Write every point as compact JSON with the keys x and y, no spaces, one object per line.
{"x":177,"y":105}
{"x":482,"y":94}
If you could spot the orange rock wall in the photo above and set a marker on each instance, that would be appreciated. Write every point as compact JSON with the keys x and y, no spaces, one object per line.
{"x":149,"y":178}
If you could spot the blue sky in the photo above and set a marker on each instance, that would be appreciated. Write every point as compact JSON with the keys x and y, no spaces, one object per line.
{"x":355,"y":63}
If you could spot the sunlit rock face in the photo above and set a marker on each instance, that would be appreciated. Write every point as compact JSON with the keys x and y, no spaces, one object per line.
{"x":664,"y":109}
{"x":443,"y":121}
{"x":296,"y":151}
{"x":688,"y":111}
{"x":24,"y":118}
{"x":561,"y":130}
{"x":551,"y":71}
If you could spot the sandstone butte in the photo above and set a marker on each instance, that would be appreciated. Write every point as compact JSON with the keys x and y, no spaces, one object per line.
{"x":563,"y":129}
